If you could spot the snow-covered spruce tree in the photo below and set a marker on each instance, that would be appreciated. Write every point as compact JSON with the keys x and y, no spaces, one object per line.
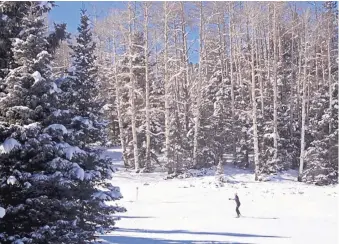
{"x":321,"y":156}
{"x":214,"y":120}
{"x":82,"y":89}
{"x":47,"y":187}
{"x":321,"y":151}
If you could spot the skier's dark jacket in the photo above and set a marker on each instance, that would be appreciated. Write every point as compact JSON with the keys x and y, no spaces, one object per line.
{"x":237,"y":200}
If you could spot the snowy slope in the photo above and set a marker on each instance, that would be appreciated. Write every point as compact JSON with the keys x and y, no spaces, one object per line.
{"x":197,"y":210}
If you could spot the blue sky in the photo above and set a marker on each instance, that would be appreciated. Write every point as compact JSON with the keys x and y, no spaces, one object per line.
{"x":69,"y":12}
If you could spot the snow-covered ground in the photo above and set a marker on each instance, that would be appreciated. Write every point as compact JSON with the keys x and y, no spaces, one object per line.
{"x":197,"y":210}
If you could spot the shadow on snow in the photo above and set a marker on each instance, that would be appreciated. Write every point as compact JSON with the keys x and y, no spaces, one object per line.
{"x":146,"y":240}
{"x":133,"y":217}
{"x":196,"y":233}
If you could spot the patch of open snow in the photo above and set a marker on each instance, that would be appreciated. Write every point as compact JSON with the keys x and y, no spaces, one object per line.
{"x":196,"y":210}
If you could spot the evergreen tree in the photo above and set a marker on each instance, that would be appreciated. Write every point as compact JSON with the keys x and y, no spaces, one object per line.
{"x":48,"y":187}
{"x":82,"y":89}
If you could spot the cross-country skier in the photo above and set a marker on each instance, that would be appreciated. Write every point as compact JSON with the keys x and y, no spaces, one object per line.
{"x":237,"y":201}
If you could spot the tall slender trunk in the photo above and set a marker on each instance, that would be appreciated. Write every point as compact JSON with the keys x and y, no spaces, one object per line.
{"x":291,"y":98}
{"x":167,"y":93}
{"x":303,"y":108}
{"x":185,"y":61}
{"x":254,"y":107}
{"x":299,"y":81}
{"x":275,"y":88}
{"x":323,"y":65}
{"x":199,"y":88}
{"x":132,"y":92}
{"x":258,"y":57}
{"x":176,"y":90}
{"x":119,"y":108}
{"x":269,"y":49}
{"x":230,"y":27}
{"x":329,"y":76}
{"x":148,"y":119}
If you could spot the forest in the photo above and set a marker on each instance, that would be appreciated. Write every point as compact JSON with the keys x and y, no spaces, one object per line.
{"x":175,"y":85}
{"x":191,"y":85}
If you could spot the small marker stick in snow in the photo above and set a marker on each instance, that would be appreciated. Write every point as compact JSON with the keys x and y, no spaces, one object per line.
{"x":136,"y":195}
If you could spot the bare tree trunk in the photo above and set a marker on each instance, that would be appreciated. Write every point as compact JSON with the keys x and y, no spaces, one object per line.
{"x":167,"y":93}
{"x":220,"y":168}
{"x":199,"y":86}
{"x":329,"y":76}
{"x":185,"y":57}
{"x":303,"y":108}
{"x":269,"y":48}
{"x":254,"y":107}
{"x":119,"y":110}
{"x":230,"y":27}
{"x":299,"y":81}
{"x":275,"y":88}
{"x":132,"y":92}
{"x":323,"y":65}
{"x":293,"y":91}
{"x":148,"y":119}
{"x":258,"y":57}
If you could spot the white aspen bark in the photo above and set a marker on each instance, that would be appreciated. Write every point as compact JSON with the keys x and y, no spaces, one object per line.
{"x":299,"y":82}
{"x":220,"y":168}
{"x":119,"y":105}
{"x":132,"y":92}
{"x":303,"y":108}
{"x":323,"y":65}
{"x":258,"y":57}
{"x":199,"y":86}
{"x":176,"y":90}
{"x":240,"y":72}
{"x":268,"y":47}
{"x":291,"y":100}
{"x":316,"y":52}
{"x":185,"y":57}
{"x":316,"y":68}
{"x":230,"y":27}
{"x":275,"y":88}
{"x":329,"y":74}
{"x":167,"y":93}
{"x":147,"y":108}
{"x":254,"y":108}
{"x":156,"y":55}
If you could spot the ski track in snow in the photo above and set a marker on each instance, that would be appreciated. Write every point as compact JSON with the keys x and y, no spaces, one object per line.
{"x":196,"y":210}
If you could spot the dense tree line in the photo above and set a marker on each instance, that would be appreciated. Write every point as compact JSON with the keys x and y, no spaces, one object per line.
{"x":263,"y":90}
{"x":181,"y":85}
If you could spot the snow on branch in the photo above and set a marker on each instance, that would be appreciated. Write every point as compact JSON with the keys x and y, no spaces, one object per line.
{"x":8,"y":145}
